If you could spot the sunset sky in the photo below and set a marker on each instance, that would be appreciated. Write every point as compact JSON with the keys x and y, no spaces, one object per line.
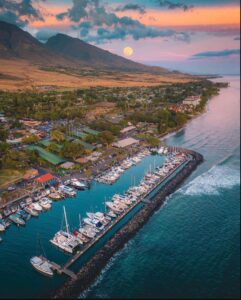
{"x":200,"y":36}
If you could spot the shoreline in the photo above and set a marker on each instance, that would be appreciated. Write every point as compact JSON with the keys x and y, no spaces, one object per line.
{"x":93,"y":267}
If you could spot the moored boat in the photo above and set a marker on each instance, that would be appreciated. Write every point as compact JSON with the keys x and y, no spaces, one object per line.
{"x":41,"y":265}
{"x":16,"y":219}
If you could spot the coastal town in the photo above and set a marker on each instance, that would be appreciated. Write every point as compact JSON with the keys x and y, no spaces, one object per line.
{"x":85,"y":133}
{"x":49,"y":155}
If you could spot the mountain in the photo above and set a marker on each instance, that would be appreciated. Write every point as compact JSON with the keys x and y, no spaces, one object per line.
{"x":65,"y":62}
{"x":16,"y":43}
{"x":63,"y":51}
{"x":92,"y":56}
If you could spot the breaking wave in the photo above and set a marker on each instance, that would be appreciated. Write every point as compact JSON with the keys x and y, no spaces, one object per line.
{"x":213,"y":181}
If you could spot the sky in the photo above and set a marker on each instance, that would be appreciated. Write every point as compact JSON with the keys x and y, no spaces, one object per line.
{"x":196,"y":36}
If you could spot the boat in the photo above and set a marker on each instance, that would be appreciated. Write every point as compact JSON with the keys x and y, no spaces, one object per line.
{"x":36,"y":206}
{"x":29,"y":209}
{"x":16,"y":219}
{"x":41,"y":265}
{"x":98,"y":216}
{"x":94,"y":223}
{"x":45,"y":203}
{"x":24,"y":215}
{"x":54,"y":196}
{"x":2,"y":227}
{"x":114,"y":207}
{"x":88,"y":232}
{"x":80,"y":236}
{"x":67,"y":190}
{"x":111,"y":214}
{"x":64,"y":240}
{"x":77,"y":184}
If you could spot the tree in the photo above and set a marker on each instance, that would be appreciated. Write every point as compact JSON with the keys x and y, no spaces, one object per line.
{"x":106,"y":138}
{"x":3,"y":134}
{"x":72,"y":150}
{"x":31,"y":139}
{"x":52,"y":147}
{"x":57,"y":135}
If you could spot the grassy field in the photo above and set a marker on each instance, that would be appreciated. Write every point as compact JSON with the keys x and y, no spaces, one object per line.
{"x":28,"y":77}
{"x":8,"y":177}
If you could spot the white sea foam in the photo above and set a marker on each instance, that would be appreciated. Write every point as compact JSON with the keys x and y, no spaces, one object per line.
{"x":211,"y":182}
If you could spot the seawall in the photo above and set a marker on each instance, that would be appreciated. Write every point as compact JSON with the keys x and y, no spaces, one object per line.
{"x":90,"y":270}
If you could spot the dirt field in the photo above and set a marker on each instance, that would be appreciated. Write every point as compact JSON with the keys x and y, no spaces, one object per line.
{"x":17,"y":75}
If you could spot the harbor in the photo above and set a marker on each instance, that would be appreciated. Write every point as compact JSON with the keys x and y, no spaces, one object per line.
{"x":49,"y":222}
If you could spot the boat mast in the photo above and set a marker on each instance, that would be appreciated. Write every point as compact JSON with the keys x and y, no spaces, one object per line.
{"x":80,"y":221}
{"x":66,"y":221}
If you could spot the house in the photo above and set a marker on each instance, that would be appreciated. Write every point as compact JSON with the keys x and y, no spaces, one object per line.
{"x":125,"y":143}
{"x":128,"y":129}
{"x":67,"y":165}
{"x":192,"y":100}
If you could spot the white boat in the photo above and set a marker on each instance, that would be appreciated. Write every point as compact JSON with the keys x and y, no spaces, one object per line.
{"x":67,"y":190}
{"x":2,"y":227}
{"x":41,"y":266}
{"x":45,"y":203}
{"x":36,"y":206}
{"x":114,"y":207}
{"x":30,"y":210}
{"x":111,"y":214}
{"x":64,"y":240}
{"x":88,"y":232}
{"x":93,"y":222}
{"x":77,"y":184}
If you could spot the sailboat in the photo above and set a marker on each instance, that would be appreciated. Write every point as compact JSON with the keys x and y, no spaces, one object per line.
{"x":64,"y":240}
{"x":41,"y":265}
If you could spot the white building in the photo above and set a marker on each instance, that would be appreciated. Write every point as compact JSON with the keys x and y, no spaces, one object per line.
{"x":192,"y":100}
{"x":125,"y":143}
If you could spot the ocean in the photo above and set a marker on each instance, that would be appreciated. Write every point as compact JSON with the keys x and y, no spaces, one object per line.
{"x":189,"y":248}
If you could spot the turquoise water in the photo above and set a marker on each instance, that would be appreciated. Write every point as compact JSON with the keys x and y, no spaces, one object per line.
{"x":191,"y":246}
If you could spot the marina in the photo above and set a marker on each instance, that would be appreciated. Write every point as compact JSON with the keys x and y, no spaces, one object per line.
{"x":153,"y":180}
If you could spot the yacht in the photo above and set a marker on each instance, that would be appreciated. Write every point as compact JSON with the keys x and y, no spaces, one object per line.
{"x":114,"y":207}
{"x":16,"y":219}
{"x":76,"y":184}
{"x":36,"y":206}
{"x":64,"y":240}
{"x":88,"y":232}
{"x":111,"y":214}
{"x":67,"y":190}
{"x":93,"y":222}
{"x":41,"y":266}
{"x":45,"y":203}
{"x":30,"y":210}
{"x":24,"y":215}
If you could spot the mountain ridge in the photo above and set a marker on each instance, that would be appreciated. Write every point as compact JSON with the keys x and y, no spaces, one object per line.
{"x":63,"y":51}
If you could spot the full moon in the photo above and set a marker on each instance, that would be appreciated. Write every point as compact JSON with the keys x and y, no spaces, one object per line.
{"x":128,"y":51}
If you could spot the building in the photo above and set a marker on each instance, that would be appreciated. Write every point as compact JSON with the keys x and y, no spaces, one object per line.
{"x":128,"y":129}
{"x":192,"y":100}
{"x":125,"y":143}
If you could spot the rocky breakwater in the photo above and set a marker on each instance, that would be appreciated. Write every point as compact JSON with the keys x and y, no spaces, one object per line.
{"x":90,"y":271}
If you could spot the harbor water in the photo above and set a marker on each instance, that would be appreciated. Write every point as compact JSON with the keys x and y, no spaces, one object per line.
{"x":189,"y":248}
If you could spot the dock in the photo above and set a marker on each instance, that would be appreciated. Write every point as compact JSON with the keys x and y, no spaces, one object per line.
{"x":59,"y":269}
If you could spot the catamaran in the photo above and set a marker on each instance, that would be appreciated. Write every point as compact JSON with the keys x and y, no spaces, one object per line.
{"x":64,"y":240}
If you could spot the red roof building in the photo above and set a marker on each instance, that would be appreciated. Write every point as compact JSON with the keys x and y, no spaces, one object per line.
{"x":45,"y":178}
